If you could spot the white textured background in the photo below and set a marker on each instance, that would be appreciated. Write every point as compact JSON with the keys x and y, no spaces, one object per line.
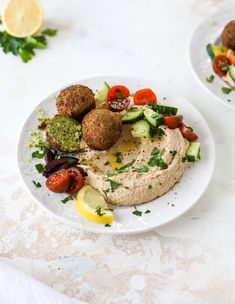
{"x":191,"y":260}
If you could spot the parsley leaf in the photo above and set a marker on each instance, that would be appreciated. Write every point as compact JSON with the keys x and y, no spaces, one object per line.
{"x":66,"y":199}
{"x":114,"y":185}
{"x":37,"y":184}
{"x":126,"y":167}
{"x":157,"y":161}
{"x":137,"y":212}
{"x":49,"y":32}
{"x":210,"y":79}
{"x":39,"y":168}
{"x":106,"y":163}
{"x":98,"y":211}
{"x":173,"y":153}
{"x":118,"y":156}
{"x":226,"y":90}
{"x":37,"y":154}
{"x":160,"y":132}
{"x":141,"y":169}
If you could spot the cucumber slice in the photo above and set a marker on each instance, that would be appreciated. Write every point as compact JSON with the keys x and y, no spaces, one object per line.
{"x":163,"y":109}
{"x":141,"y":128}
{"x":210,"y":51}
{"x":101,"y":93}
{"x":231,"y":71}
{"x":153,"y":118}
{"x":132,"y":115}
{"x":193,"y":152}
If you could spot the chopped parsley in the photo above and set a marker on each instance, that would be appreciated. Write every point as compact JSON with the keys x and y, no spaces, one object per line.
{"x":37,"y":184}
{"x":225,"y":68}
{"x":141,"y":169}
{"x":37,"y":154}
{"x":70,"y":160}
{"x":49,"y":32}
{"x":114,"y":185}
{"x":39,"y":168}
{"x":160,"y":132}
{"x":147,"y":211}
{"x":157,"y":161}
{"x":66,"y":199}
{"x":98,"y":211}
{"x":106,"y":163}
{"x":107,"y":225}
{"x":137,"y":212}
{"x":210,"y":79}
{"x":149,"y":187}
{"x":155,"y":151}
{"x":126,"y":167}
{"x":226,"y":90}
{"x":173,"y":153}
{"x":118,"y":156}
{"x":162,"y":151}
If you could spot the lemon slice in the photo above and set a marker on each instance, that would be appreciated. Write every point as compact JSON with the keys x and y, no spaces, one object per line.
{"x":22,"y":18}
{"x":91,"y":204}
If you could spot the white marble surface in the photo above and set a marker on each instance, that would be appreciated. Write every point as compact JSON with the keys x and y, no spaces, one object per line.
{"x":190,"y":260}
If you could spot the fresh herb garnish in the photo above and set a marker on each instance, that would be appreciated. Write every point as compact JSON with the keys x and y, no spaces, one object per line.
{"x":37,"y":184}
{"x":160,"y":132}
{"x":66,"y":199}
{"x":210,"y":79}
{"x":225,"y":68}
{"x":226,"y":90}
{"x":141,"y":169}
{"x":137,"y":212}
{"x":106,"y":191}
{"x":39,"y":168}
{"x":173,"y":153}
{"x":118,"y":156}
{"x":162,"y":151}
{"x":114,"y":185}
{"x":98,"y":211}
{"x":37,"y":154}
{"x":156,"y":159}
{"x":155,"y":151}
{"x":147,"y":211}
{"x":126,"y":167}
{"x":107,"y":225}
{"x":70,"y":160}
{"x":24,"y":47}
{"x":106,"y":163}
{"x":109,"y":174}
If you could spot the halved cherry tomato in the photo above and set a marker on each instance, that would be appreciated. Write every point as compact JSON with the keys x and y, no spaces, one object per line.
{"x":188,"y":133}
{"x":76,"y":180}
{"x":173,"y":122}
{"x":219,"y":64}
{"x":144,"y":96}
{"x":117,"y":98}
{"x":58,"y":181}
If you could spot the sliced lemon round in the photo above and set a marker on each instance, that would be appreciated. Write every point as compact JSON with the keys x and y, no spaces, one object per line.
{"x":91,"y":204}
{"x":22,"y":18}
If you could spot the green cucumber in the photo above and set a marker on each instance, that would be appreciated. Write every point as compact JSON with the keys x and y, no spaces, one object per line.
{"x":161,"y":109}
{"x":193,"y":152}
{"x":141,"y":128}
{"x":153,"y":118}
{"x":132,"y":115}
{"x":210,"y":52}
{"x":231,"y":71}
{"x":101,"y":93}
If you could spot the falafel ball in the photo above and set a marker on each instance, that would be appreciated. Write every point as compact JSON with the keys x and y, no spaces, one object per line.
{"x":101,"y":128}
{"x":228,"y":35}
{"x":75,"y":101}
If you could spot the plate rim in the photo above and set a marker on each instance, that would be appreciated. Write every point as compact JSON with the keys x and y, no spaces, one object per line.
{"x":97,"y":230}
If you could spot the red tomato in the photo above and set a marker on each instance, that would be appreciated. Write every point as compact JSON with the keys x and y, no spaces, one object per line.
{"x":173,"y":122}
{"x":117,"y":98}
{"x":76,"y":180}
{"x":188,"y":133}
{"x":144,"y":96}
{"x":58,"y":181}
{"x":219,"y":63}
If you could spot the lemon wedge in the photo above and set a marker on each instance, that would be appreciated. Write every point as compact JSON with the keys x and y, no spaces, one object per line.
{"x":22,"y":18}
{"x":90,"y":203}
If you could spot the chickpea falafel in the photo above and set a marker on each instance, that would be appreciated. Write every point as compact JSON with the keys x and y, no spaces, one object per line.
{"x":228,"y":35}
{"x":101,"y":128}
{"x":75,"y":101}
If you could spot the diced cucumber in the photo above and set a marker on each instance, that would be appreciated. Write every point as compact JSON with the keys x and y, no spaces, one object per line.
{"x":132,"y":115}
{"x":101,"y":93}
{"x":163,"y":109}
{"x":141,"y":128}
{"x":153,"y":118}
{"x":193,"y":152}
{"x":210,"y":51}
{"x":231,"y":71}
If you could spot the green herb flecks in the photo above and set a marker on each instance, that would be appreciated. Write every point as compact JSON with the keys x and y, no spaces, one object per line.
{"x":70,"y":160}
{"x":126,"y":167}
{"x":160,"y":132}
{"x":39,"y":168}
{"x":155,"y":151}
{"x":114,"y":185}
{"x":37,"y":184}
{"x":107,"y":225}
{"x":66,"y":199}
{"x":37,"y":154}
{"x":226,"y":90}
{"x":156,"y":159}
{"x":98,"y":211}
{"x":141,"y":169}
{"x":173,"y":153}
{"x":24,"y":47}
{"x":118,"y":156}
{"x":225,"y":68}
{"x":210,"y":79}
{"x":106,"y":163}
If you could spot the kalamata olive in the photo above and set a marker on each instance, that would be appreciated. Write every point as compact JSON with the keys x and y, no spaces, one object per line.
{"x":53,"y":166}
{"x":49,"y":156}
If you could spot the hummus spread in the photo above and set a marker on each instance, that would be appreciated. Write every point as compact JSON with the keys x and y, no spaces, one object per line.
{"x":136,"y":170}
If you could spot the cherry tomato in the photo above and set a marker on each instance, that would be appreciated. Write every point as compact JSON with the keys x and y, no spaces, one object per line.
{"x":76,"y":180}
{"x":188,"y":133}
{"x":58,"y":181}
{"x":173,"y":122}
{"x":117,"y":98}
{"x":219,"y":64}
{"x":144,"y":96}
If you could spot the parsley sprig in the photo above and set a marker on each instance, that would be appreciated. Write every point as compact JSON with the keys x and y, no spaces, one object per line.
{"x":24,"y":47}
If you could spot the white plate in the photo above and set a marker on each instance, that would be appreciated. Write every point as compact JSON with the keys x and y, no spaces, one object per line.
{"x":210,"y":32}
{"x":164,"y":209}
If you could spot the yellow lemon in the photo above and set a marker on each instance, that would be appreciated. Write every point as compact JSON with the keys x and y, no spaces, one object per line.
{"x":220,"y":50}
{"x":22,"y":18}
{"x":91,"y":205}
